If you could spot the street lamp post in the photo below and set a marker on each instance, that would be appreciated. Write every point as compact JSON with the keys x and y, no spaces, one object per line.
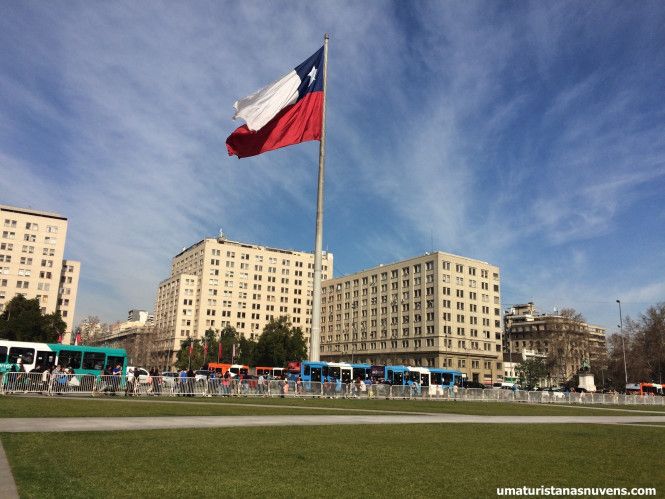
{"x":623,"y":344}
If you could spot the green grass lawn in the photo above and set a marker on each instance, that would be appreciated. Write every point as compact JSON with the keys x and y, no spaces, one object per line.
{"x":29,"y":406}
{"x":334,"y":461}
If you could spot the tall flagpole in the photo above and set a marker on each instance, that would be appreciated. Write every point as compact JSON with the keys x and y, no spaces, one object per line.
{"x":315,"y":336}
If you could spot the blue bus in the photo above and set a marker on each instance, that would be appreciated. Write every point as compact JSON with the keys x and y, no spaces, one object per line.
{"x":315,"y":371}
{"x":397,"y":375}
{"x":81,"y":359}
{"x":445,"y":377}
{"x":362,"y":371}
{"x":420,"y":375}
{"x":339,"y":371}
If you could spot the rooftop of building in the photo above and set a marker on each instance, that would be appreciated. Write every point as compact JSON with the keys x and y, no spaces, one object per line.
{"x":30,"y":211}
{"x":411,"y":259}
{"x":519,"y":316}
{"x":224,"y":240}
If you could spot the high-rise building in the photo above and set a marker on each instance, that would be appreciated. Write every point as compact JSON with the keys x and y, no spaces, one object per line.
{"x":568,"y":344}
{"x":142,"y":316}
{"x":434,"y":310}
{"x":217,"y":283}
{"x":32,"y":246}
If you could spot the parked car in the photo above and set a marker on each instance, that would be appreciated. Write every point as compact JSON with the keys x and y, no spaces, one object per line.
{"x":201,"y":375}
{"x":473,"y":384}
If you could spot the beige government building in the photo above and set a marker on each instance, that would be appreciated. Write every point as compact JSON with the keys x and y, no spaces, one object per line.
{"x":32,"y":246}
{"x":564,"y":343}
{"x":217,"y":283}
{"x":435,"y":310}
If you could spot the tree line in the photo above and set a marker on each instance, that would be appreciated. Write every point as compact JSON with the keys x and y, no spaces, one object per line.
{"x":279,"y":343}
{"x":636,"y":353}
{"x":22,"y":320}
{"x":644,"y":342}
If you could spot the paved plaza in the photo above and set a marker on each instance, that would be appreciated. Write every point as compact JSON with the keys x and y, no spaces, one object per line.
{"x":17,"y":425}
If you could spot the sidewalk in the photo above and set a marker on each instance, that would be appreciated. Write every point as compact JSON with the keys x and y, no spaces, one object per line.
{"x":17,"y":425}
{"x":7,"y":484}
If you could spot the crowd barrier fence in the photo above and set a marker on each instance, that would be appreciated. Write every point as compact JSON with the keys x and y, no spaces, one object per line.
{"x":158,"y":386}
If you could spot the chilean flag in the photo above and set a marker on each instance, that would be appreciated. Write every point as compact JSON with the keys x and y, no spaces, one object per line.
{"x":286,"y":112}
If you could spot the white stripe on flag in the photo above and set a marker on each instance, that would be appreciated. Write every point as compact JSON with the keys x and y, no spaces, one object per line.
{"x":263,"y":105}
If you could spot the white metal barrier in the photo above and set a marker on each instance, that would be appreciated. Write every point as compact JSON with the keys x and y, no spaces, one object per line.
{"x":58,"y":383}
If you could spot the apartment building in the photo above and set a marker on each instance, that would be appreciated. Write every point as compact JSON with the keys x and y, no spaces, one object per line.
{"x":567,"y":344}
{"x":434,"y":310}
{"x":32,"y":246}
{"x":142,"y":316}
{"x":217,"y":283}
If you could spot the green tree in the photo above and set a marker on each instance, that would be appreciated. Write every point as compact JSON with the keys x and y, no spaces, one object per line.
{"x":22,"y":320}
{"x":531,"y":371}
{"x":228,"y":337}
{"x":247,"y":350}
{"x":184,"y":360}
{"x":280,"y":343}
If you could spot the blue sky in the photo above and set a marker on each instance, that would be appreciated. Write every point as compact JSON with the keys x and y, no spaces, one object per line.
{"x":527,"y":134}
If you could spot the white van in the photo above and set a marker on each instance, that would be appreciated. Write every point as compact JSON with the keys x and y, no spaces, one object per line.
{"x":504,"y":386}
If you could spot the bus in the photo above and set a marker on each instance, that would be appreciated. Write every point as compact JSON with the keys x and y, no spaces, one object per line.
{"x":340,"y":371}
{"x":445,"y":377}
{"x":644,"y":389}
{"x":397,"y":375}
{"x":272,"y":372}
{"x":82,"y":359}
{"x":315,"y":371}
{"x":293,"y":369}
{"x":362,"y":371}
{"x":420,"y":375}
{"x":234,"y":369}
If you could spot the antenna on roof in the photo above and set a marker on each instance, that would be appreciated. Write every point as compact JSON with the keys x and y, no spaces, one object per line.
{"x":221,"y":236}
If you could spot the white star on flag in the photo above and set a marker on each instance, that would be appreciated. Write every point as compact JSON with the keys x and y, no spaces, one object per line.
{"x":312,"y":76}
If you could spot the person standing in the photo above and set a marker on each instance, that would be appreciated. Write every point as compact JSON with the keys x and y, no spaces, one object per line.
{"x":46,"y":376}
{"x":260,"y":382}
{"x":182,"y":378}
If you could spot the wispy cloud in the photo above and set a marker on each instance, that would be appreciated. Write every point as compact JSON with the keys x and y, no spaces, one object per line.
{"x":491,"y":131}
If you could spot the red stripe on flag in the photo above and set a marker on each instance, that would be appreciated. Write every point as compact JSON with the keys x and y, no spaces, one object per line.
{"x":293,"y":125}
